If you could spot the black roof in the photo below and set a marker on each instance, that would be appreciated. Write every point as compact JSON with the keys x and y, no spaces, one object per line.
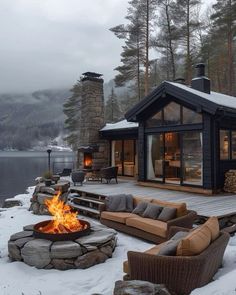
{"x":200,"y":101}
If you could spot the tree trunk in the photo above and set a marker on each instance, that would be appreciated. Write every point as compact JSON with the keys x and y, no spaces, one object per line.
{"x":188,"y":57}
{"x":147,"y":51}
{"x":230,"y":49}
{"x":170,"y":41}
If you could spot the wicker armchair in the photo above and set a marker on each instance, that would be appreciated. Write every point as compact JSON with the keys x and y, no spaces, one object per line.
{"x":180,"y":274}
{"x":109,"y":173}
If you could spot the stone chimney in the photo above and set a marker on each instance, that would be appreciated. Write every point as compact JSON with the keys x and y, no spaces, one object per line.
{"x":91,"y":121}
{"x":201,"y":82}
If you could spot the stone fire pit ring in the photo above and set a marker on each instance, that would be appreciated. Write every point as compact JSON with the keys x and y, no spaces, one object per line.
{"x":81,"y":253}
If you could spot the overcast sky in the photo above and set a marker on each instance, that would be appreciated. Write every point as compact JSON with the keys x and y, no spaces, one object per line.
{"x":50,"y":43}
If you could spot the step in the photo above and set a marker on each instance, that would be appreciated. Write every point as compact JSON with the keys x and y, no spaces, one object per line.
{"x":89,"y":200}
{"x":83,"y":208}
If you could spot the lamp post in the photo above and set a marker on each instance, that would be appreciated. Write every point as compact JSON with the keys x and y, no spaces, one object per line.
{"x":49,"y":155}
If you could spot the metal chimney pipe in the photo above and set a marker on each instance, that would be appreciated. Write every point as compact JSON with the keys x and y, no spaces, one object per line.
{"x":200,"y":69}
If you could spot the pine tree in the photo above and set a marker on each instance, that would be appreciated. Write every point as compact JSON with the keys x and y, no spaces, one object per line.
{"x":71,"y":109}
{"x":166,"y":42}
{"x":187,"y":21}
{"x":224,"y":26}
{"x":112,"y":109}
{"x":135,"y":55}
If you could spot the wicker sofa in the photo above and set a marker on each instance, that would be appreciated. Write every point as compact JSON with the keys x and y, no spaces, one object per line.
{"x":152,"y":230}
{"x":180,"y":274}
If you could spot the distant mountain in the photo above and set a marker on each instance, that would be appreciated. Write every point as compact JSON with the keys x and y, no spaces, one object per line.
{"x":29,"y":120}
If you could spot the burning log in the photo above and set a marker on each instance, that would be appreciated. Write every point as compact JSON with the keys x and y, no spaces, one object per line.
{"x":63,"y":220}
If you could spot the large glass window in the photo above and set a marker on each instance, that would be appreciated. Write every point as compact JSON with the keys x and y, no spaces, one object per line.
{"x":233,"y":145}
{"x":224,"y":144}
{"x":117,"y":155}
{"x":191,"y":117}
{"x":172,"y":114}
{"x":129,"y":153}
{"x":123,"y":156}
{"x":192,"y":158}
{"x":172,"y":157}
{"x":155,"y":155}
{"x":155,"y":121}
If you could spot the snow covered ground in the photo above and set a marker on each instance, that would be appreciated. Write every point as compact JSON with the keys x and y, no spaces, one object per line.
{"x":17,"y":278}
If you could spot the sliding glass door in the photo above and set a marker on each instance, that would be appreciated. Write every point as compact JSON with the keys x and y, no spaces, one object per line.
{"x":123,"y":156}
{"x":192,"y":158}
{"x":172,"y":157}
{"x":175,"y":157}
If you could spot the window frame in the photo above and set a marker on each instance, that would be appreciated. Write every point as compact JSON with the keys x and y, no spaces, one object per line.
{"x":163,"y":125}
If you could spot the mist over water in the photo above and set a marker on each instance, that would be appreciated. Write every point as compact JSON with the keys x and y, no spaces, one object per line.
{"x":18,"y":170}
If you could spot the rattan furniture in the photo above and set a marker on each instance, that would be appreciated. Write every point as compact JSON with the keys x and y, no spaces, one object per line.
{"x":180,"y":274}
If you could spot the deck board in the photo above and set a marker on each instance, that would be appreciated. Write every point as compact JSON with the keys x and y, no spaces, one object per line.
{"x":219,"y":205}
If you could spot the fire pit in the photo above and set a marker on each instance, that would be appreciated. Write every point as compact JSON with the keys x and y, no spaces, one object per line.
{"x":65,"y":242}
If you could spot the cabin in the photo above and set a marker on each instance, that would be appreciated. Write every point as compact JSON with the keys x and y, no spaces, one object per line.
{"x":181,"y":137}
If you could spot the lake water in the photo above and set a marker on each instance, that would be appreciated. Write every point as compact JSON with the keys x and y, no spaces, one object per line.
{"x":18,"y":170}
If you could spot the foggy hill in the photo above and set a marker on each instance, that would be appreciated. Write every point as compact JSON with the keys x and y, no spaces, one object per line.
{"x":29,"y":120}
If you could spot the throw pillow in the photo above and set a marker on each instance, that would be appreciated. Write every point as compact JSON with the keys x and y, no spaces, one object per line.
{"x":129,"y":203}
{"x":152,"y":211}
{"x":170,"y":247}
{"x":167,"y":213}
{"x":180,"y":235}
{"x":116,"y":203}
{"x":140,"y":208}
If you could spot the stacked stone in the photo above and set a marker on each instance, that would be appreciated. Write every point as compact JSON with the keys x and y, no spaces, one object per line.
{"x":81,"y":253}
{"x":230,"y":181}
{"x":42,"y":192}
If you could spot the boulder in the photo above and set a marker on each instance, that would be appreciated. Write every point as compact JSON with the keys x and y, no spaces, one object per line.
{"x":47,"y":190}
{"x":14,"y":251}
{"x":139,"y":287}
{"x":34,"y":207}
{"x":36,"y":253}
{"x":62,"y":264}
{"x":89,"y":259}
{"x":65,"y":249}
{"x":21,"y":242}
{"x":97,"y":238}
{"x":20,"y":235}
{"x":42,"y":197}
{"x":9,"y":203}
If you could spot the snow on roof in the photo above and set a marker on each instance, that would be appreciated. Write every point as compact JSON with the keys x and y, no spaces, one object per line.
{"x":215,"y":97}
{"x":124,"y":124}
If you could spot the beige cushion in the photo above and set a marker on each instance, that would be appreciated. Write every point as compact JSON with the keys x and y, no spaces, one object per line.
{"x":152,"y":226}
{"x":126,"y":267}
{"x":195,"y":242}
{"x":181,"y":207}
{"x":137,"y":200}
{"x":213,"y":224}
{"x":117,"y":216}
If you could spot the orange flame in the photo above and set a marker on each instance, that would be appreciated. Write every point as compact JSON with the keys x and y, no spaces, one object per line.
{"x":63,"y":221}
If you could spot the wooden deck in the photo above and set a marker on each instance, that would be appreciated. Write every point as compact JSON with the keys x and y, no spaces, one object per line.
{"x":218,"y":205}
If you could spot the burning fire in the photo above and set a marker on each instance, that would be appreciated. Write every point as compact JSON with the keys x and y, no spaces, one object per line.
{"x":63,"y":221}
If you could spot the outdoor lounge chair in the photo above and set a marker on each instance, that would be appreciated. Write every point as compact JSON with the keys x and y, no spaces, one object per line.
{"x":109,"y":173}
{"x":180,"y":274}
{"x":77,"y":177}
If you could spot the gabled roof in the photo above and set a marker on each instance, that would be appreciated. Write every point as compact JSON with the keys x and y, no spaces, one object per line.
{"x":209,"y":103}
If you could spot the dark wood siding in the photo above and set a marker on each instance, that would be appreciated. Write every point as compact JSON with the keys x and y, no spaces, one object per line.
{"x":207,"y":136}
{"x":141,"y":149}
